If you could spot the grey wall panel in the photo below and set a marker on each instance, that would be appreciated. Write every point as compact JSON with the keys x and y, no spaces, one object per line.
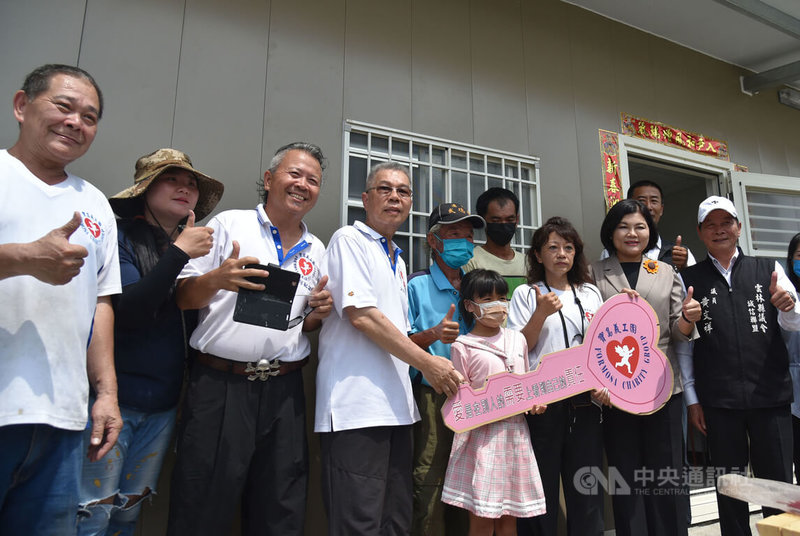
{"x":220,"y":104}
{"x":32,"y":33}
{"x":632,"y":72}
{"x":304,"y":92}
{"x":596,"y":107}
{"x":793,"y":150}
{"x":377,"y":68}
{"x":441,"y":70}
{"x":772,"y":143}
{"x":134,"y":48}
{"x":551,"y":111}
{"x":498,"y":78}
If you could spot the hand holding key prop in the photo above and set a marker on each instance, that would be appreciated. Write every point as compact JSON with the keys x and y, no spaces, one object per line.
{"x":620,"y":353}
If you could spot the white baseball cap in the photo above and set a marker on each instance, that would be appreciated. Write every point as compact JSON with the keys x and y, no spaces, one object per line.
{"x":715,"y":202}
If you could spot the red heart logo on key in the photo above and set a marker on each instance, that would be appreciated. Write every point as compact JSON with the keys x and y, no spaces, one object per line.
{"x":624,"y":355}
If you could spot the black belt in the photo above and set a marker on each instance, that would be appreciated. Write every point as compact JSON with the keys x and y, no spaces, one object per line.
{"x":260,"y":370}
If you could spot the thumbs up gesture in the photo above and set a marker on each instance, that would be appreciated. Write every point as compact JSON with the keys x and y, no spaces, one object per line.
{"x":546,"y":304}
{"x":782,"y":299}
{"x":320,"y":300}
{"x":691,"y":309}
{"x":447,"y":329}
{"x":231,"y":273}
{"x":194,"y":241}
{"x":53,"y":259}
{"x":679,"y":254}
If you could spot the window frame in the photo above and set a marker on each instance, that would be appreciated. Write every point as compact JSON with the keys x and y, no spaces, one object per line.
{"x":415,"y":229}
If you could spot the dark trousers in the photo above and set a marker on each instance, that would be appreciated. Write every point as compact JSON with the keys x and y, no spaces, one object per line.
{"x":432,"y":444}
{"x":647,"y":452}
{"x":366,"y":480}
{"x":796,"y":447}
{"x":566,"y":440}
{"x":240,"y":439}
{"x":762,"y":437}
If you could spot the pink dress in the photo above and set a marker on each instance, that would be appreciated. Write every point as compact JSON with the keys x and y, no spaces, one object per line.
{"x":492,"y":470}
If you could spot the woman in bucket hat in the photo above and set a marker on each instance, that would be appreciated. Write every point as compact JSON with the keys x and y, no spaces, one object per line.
{"x":157,"y":237}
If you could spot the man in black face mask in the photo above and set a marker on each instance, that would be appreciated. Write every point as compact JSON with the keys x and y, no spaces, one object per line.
{"x":500,"y":208}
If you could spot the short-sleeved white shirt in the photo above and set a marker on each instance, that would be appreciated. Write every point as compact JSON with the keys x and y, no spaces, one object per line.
{"x":217,"y":333}
{"x":551,"y":338}
{"x":359,"y":385}
{"x":45,"y":329}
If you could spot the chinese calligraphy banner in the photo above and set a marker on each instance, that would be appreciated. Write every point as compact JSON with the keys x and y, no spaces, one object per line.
{"x":612,"y":187}
{"x":661,"y":133}
{"x":620,"y":353}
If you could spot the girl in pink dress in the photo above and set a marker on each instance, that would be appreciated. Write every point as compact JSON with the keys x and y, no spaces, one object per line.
{"x":492,"y":471}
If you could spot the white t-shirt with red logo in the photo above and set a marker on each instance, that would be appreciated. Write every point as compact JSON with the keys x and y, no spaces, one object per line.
{"x":217,"y":333}
{"x":45,"y":329}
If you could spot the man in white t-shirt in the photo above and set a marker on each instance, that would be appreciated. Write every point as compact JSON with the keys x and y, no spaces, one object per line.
{"x":365,"y":407}
{"x":243,"y":433}
{"x":58,"y":269}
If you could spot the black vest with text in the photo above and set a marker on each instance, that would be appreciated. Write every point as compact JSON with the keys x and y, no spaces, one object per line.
{"x":740,"y":359}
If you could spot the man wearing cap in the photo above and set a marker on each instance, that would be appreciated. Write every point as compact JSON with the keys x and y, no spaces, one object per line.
{"x":365,"y":405}
{"x":58,"y":270}
{"x":242,"y":434}
{"x":741,"y":391}
{"x":435,"y":323}
{"x":499,"y":207}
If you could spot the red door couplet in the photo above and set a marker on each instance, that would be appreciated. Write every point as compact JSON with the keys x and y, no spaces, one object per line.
{"x":620,"y":352}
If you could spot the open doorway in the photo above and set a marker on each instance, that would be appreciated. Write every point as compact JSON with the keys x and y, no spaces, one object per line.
{"x":684,"y":188}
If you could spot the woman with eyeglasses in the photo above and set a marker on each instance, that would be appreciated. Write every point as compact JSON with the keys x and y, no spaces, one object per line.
{"x":553,"y":311}
{"x":646,"y":450}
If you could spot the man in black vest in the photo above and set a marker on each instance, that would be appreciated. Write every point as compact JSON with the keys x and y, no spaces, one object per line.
{"x":741,"y":367}
{"x":650,"y":195}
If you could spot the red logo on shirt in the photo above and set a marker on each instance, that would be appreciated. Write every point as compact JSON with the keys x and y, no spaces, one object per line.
{"x":305,"y":266}
{"x":92,"y":226}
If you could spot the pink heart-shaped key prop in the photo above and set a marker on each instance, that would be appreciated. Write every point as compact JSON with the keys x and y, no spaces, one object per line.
{"x":619,"y":352}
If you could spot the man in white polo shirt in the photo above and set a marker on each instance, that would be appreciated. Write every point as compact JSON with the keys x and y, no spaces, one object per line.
{"x":365,"y":407}
{"x":243,"y":426}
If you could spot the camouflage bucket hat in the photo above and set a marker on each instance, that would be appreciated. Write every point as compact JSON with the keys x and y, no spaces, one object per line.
{"x":128,"y":203}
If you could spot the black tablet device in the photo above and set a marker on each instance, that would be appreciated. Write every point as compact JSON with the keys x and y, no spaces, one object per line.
{"x":271,"y":307}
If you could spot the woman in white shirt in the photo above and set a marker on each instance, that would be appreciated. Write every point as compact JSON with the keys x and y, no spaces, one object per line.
{"x":553,"y":311}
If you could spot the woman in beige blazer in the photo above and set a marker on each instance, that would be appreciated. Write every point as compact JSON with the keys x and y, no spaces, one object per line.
{"x":646,"y":450}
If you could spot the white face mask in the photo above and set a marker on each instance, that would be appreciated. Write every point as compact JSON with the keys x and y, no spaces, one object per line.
{"x":492,"y":313}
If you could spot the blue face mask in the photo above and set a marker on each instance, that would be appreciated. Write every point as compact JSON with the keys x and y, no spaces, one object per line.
{"x":457,"y":251}
{"x":796,"y":267}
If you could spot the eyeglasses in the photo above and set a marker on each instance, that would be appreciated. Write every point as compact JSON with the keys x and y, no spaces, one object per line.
{"x":386,"y":191}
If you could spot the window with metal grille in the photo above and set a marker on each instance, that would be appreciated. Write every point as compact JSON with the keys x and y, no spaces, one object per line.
{"x":442,"y":171}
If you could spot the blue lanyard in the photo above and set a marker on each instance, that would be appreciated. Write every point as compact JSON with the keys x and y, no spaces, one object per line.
{"x":276,"y":237}
{"x":397,"y":252}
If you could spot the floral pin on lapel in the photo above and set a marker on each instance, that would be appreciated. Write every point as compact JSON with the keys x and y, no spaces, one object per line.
{"x":651,"y":266}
